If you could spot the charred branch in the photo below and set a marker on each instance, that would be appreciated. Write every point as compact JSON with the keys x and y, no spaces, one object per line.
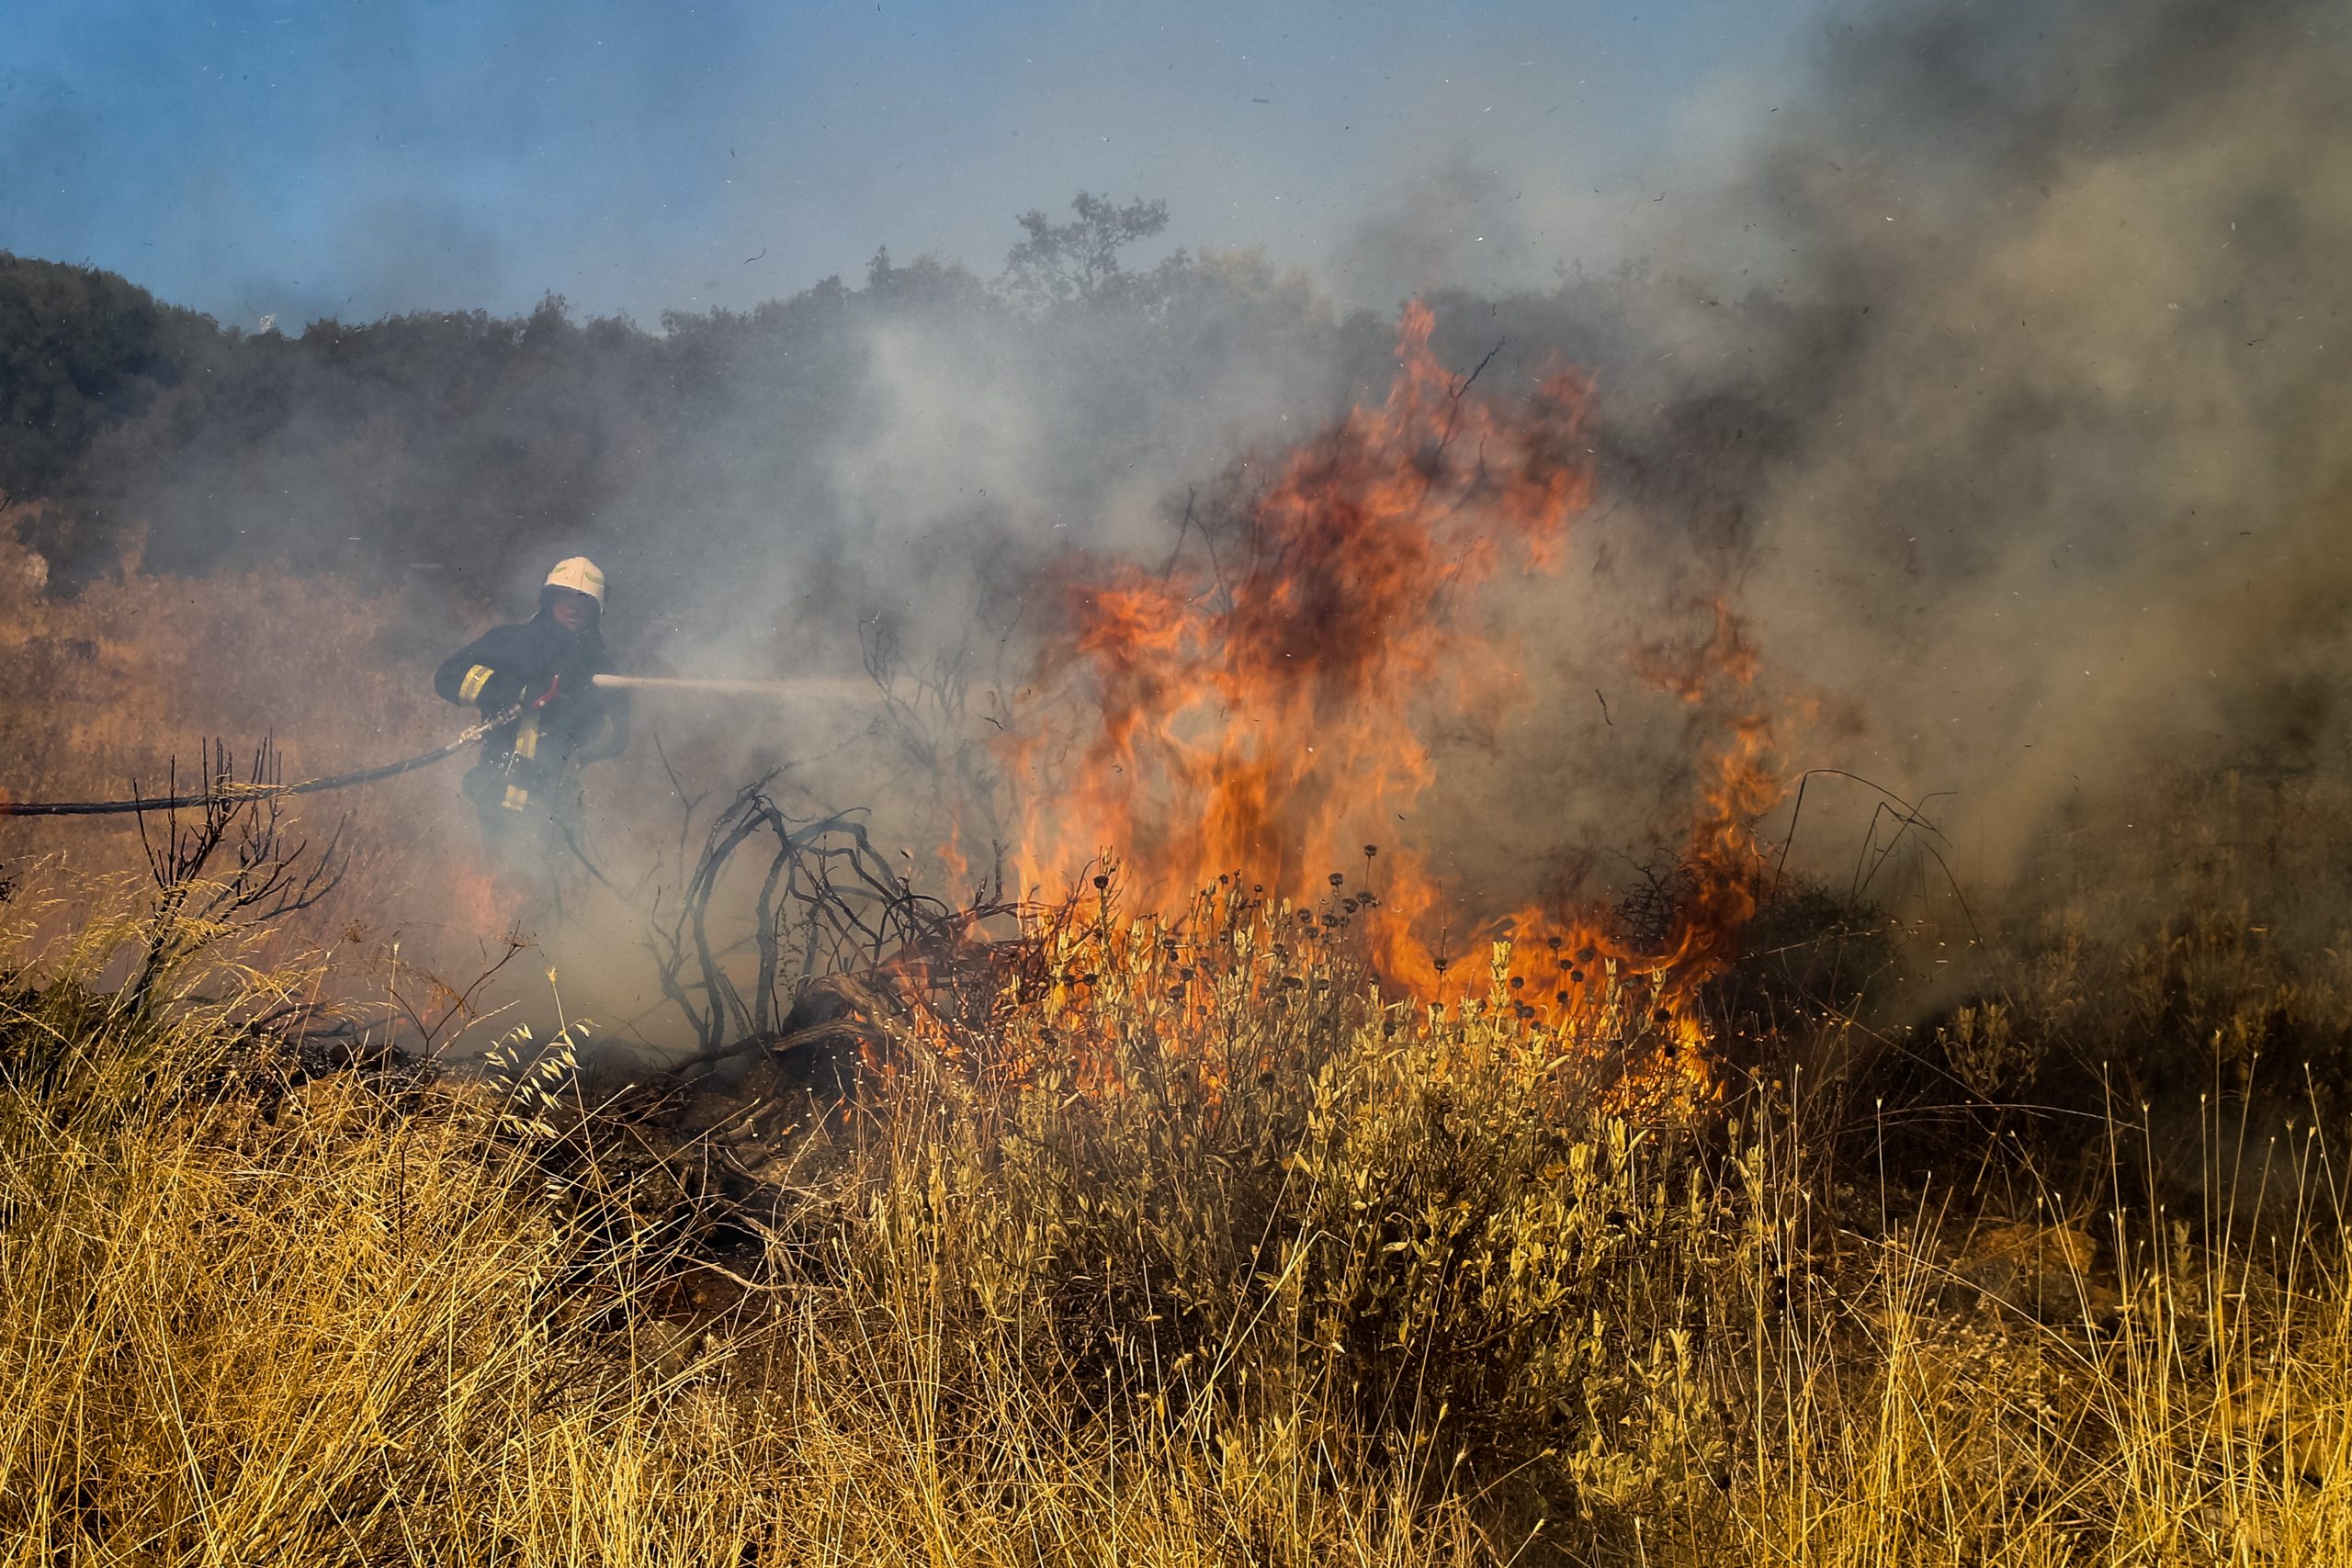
{"x":244,"y":813}
{"x":836,"y":930}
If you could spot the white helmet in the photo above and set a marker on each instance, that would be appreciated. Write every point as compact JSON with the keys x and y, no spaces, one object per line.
{"x":582,"y":576}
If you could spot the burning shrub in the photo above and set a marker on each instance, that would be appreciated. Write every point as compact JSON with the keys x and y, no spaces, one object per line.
{"x":1222,"y":1179}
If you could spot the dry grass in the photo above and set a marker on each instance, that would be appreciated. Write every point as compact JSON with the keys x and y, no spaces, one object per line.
{"x":1270,"y":1273}
{"x":2044,"y":1392}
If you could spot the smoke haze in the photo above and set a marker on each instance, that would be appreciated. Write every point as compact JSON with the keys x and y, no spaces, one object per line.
{"x":2070,"y":507}
{"x":1990,"y":373}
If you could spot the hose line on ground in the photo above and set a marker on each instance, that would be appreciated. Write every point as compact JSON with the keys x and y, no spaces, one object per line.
{"x":229,"y":789}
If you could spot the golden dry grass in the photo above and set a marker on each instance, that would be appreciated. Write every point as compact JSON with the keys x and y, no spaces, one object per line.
{"x":1396,"y":1293}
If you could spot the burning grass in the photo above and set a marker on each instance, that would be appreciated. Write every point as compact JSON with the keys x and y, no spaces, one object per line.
{"x":1205,"y":1249}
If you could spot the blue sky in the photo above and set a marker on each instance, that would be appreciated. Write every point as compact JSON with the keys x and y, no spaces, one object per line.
{"x":354,"y":157}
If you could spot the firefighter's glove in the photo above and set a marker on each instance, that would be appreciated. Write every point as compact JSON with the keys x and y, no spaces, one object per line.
{"x":509,"y":692}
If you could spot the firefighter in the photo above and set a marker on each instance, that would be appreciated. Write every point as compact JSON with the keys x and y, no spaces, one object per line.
{"x":525,"y":784}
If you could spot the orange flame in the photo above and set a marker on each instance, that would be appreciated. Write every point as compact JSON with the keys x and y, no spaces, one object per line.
{"x":1257,"y":720}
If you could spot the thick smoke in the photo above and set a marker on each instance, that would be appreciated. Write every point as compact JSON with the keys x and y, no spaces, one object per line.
{"x":1997,"y":385}
{"x":1993,"y":385}
{"x":2068,"y":504}
{"x":1992,"y":382}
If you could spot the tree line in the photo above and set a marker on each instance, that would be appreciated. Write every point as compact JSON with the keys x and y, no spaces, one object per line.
{"x":149,"y":434}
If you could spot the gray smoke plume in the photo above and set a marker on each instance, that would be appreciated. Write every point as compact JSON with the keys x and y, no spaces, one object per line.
{"x":2068,"y":505}
{"x":1991,"y":385}
{"x":1998,"y":385}
{"x":1994,"y":381}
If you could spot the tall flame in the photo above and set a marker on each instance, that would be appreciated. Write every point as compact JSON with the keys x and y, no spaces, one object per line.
{"x":1257,"y":716}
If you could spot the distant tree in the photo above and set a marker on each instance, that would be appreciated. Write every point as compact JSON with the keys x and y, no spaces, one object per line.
{"x":1077,"y":262}
{"x":927,"y":282}
{"x":81,"y":351}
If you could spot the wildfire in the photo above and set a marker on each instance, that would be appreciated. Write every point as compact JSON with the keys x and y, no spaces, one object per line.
{"x":1255,"y":717}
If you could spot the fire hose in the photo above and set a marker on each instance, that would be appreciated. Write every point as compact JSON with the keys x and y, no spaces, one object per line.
{"x":228,"y":789}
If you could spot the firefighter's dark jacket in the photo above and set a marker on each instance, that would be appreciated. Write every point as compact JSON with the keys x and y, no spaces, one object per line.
{"x":518,"y":663}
